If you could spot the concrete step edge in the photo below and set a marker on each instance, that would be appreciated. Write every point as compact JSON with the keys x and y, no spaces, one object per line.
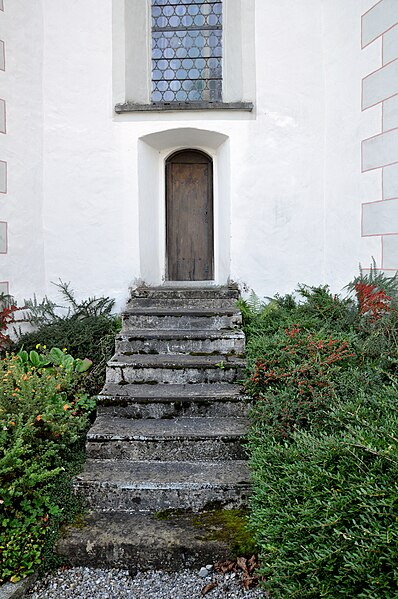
{"x":221,"y":361}
{"x":188,"y":392}
{"x":180,"y":428}
{"x":180,"y":334}
{"x":181,"y":311}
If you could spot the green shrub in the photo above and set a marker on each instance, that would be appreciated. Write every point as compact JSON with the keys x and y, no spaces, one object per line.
{"x":43,"y":419}
{"x":85,"y":328}
{"x":325,"y":504}
{"x":323,"y":442}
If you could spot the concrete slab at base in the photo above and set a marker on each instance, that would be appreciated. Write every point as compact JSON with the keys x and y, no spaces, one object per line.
{"x":17,"y":590}
{"x":140,"y":542}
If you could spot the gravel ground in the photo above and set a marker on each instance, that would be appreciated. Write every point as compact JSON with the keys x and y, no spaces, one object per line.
{"x":87,"y":583}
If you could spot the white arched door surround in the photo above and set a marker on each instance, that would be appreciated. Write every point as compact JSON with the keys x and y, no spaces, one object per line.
{"x":153,"y":151}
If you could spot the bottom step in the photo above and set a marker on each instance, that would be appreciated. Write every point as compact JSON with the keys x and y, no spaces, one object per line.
{"x":142,"y":542}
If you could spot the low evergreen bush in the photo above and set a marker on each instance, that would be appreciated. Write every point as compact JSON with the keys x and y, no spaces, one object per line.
{"x":85,"y":328}
{"x":323,"y":442}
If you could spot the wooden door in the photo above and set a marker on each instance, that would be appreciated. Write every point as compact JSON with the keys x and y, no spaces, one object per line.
{"x":189,"y":216}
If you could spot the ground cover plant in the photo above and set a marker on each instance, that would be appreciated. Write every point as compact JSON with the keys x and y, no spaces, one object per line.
{"x":43,"y":418}
{"x":46,"y":403}
{"x":324,"y":440}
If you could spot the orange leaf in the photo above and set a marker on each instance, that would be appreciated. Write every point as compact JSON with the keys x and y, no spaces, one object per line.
{"x":208,"y":588}
{"x":242,"y":563}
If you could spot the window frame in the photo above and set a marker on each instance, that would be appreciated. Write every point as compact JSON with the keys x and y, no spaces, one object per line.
{"x":132,"y":65}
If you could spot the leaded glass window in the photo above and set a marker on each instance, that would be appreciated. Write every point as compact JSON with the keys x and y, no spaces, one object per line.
{"x":186,"y":50}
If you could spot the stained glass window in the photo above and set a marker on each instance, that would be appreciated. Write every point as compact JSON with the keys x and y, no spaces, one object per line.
{"x":186,"y":50}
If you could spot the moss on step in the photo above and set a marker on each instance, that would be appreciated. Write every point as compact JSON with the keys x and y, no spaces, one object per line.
{"x":228,"y":526}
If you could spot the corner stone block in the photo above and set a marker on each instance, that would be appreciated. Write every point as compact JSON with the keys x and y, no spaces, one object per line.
{"x":380,"y":85}
{"x":390,"y":251}
{"x":390,"y":45}
{"x":380,"y":218}
{"x":381,"y":17}
{"x":390,"y":114}
{"x":3,"y":238}
{"x":3,"y":176}
{"x":2,"y":116}
{"x":390,"y":182}
{"x":380,"y":150}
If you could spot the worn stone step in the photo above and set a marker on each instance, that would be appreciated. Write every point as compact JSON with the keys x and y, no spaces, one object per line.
{"x":173,"y":292}
{"x":181,"y":318}
{"x":170,"y":401}
{"x":180,"y":341}
{"x":143,"y":542}
{"x":179,"y":439}
{"x":211,"y":303}
{"x":124,"y":485}
{"x":174,"y":369}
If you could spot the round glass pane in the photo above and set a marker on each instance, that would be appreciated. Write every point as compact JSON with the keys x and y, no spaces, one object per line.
{"x":193,"y":74}
{"x":181,"y":96}
{"x":194,"y":52}
{"x":174,"y":21}
{"x":175,"y":85}
{"x":156,"y":96}
{"x":187,"y":63}
{"x":168,"y":96}
{"x":169,"y":53}
{"x":162,"y":85}
{"x":187,"y":85}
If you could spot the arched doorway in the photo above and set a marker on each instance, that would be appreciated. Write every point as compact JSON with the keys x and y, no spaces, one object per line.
{"x":189,"y":216}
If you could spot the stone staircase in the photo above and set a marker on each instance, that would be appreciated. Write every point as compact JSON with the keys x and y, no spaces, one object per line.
{"x":168,"y":433}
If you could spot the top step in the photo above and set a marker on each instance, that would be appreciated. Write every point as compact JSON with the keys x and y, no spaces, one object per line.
{"x":186,"y":293}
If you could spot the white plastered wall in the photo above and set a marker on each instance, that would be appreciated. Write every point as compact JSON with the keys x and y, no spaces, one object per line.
{"x":21,"y":147}
{"x":76,"y":204}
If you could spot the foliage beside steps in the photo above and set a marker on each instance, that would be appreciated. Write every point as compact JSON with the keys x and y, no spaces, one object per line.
{"x":43,"y":419}
{"x":45,"y":409}
{"x":323,"y":443}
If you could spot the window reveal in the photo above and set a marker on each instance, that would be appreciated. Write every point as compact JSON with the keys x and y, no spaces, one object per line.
{"x":186,"y":51}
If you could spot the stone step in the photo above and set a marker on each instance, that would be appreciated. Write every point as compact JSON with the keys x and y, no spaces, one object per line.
{"x":175,"y":369}
{"x":180,"y":302}
{"x":127,"y":486}
{"x":181,"y":318}
{"x":172,"y":292}
{"x":179,"y":439}
{"x":142,"y":542}
{"x":171,"y":401}
{"x":180,"y":341}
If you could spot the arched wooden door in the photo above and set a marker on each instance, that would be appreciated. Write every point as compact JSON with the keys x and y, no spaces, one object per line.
{"x":189,"y":216}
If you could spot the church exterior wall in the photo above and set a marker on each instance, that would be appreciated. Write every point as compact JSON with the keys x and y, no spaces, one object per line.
{"x":289,"y":184}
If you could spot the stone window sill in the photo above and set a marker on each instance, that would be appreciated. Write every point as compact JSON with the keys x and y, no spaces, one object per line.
{"x":169,"y":106}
